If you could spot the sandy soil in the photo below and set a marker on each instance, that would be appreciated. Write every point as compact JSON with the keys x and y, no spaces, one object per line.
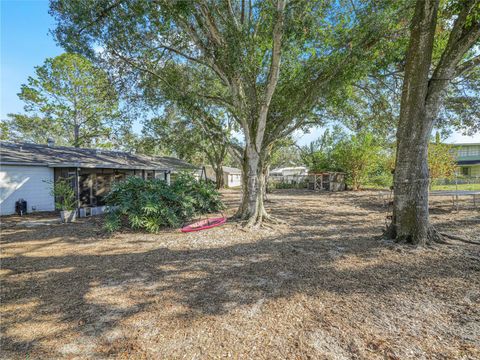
{"x":324,"y":286}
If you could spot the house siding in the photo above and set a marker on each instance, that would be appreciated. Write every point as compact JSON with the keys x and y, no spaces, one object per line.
{"x":233,"y":180}
{"x":30,"y":183}
{"x":475,"y":170}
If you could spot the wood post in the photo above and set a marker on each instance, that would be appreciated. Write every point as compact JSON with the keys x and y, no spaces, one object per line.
{"x":77,"y":181}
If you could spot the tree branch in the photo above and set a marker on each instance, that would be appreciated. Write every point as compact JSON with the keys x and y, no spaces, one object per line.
{"x":103,"y":14}
{"x":182,"y":54}
{"x":232,"y":15}
{"x":213,"y":31}
{"x":467,"y":66}
{"x":273,"y":73}
{"x":461,"y":39}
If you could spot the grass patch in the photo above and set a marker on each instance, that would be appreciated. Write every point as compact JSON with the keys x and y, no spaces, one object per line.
{"x":471,"y":187}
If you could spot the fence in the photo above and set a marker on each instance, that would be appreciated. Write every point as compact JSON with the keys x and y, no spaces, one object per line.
{"x":329,"y":181}
{"x":288,"y":182}
{"x":302,"y":182}
{"x":457,"y":183}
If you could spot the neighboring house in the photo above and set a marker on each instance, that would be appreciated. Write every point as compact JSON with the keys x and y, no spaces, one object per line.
{"x":232,"y":176}
{"x":27,"y":171}
{"x":468,"y":159}
{"x":290,"y":171}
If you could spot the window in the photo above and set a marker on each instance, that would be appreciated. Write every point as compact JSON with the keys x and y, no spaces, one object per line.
{"x":149,"y":175}
{"x":462,"y":152}
{"x":472,"y":150}
{"x":465,"y":171}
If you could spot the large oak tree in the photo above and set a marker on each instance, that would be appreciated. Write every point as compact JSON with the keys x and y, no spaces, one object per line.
{"x":438,"y":52}
{"x":275,"y":61}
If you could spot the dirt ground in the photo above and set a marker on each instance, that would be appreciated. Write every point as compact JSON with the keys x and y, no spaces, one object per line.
{"x":323,"y":286}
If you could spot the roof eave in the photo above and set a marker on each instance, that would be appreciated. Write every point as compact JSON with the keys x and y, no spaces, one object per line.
{"x":21,"y":163}
{"x":107,"y":166}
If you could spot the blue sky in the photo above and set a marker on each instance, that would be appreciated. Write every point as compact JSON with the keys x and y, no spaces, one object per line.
{"x":25,"y":43}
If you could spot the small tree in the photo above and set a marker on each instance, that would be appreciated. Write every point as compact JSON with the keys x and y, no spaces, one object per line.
{"x":64,"y":194}
{"x":317,"y":155}
{"x":358,"y":156}
{"x":205,"y":139}
{"x":441,"y":161}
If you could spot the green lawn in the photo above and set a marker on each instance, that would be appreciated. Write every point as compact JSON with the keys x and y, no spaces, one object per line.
{"x":434,"y":187}
{"x":457,"y":187}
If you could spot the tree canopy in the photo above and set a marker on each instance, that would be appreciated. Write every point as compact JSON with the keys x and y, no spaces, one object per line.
{"x":70,"y":100}
{"x":272,"y":65}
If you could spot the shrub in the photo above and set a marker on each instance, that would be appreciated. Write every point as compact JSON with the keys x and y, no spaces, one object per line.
{"x":152,"y":204}
{"x":64,"y":194}
{"x":203,"y":195}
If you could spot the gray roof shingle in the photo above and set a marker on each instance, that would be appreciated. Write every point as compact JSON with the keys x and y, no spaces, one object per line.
{"x":64,"y":156}
{"x":231,"y":170}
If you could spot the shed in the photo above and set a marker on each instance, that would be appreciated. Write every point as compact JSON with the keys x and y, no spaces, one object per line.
{"x":328,"y":181}
{"x":232,"y":176}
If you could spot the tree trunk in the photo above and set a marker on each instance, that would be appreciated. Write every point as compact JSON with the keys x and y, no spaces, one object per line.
{"x":266,"y":174}
{"x":219,"y":178}
{"x":252,"y":206}
{"x":410,"y":211}
{"x":76,"y":135}
{"x":243,"y":203}
{"x":421,"y":100}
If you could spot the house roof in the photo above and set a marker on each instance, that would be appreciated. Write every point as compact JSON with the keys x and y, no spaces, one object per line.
{"x":289,"y":168}
{"x":468,"y":162}
{"x":63,"y":156}
{"x":466,"y":144}
{"x":231,"y":170}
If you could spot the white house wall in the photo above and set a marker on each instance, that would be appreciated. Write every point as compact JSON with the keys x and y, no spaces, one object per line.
{"x":30,"y":183}
{"x":233,"y":180}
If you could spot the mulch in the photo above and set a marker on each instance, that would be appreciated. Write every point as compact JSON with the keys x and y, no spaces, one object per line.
{"x":323,"y":286}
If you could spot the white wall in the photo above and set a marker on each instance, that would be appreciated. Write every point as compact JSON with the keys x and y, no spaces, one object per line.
{"x":28,"y":183}
{"x":232,"y":180}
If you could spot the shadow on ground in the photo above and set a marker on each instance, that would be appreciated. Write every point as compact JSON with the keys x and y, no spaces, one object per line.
{"x":203,"y":281}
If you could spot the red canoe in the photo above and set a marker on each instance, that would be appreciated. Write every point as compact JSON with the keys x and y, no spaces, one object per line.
{"x":204,"y":224}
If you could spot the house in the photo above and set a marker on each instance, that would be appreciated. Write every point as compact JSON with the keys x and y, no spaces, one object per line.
{"x":468,"y":159}
{"x":232,"y":176}
{"x":28,"y":170}
{"x":290,"y":171}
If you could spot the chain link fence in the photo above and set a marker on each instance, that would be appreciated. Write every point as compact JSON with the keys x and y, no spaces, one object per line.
{"x":457,"y":183}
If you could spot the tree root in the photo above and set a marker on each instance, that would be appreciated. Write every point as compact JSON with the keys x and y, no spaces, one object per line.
{"x":459,"y":238}
{"x":273,"y":219}
{"x":432,"y":237}
{"x":261,"y":220}
{"x":435,"y":237}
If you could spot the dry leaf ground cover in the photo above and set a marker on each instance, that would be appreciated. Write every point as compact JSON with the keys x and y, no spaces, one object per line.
{"x":324,"y":286}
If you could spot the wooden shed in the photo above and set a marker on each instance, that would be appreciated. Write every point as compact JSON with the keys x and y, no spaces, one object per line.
{"x":327,"y":181}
